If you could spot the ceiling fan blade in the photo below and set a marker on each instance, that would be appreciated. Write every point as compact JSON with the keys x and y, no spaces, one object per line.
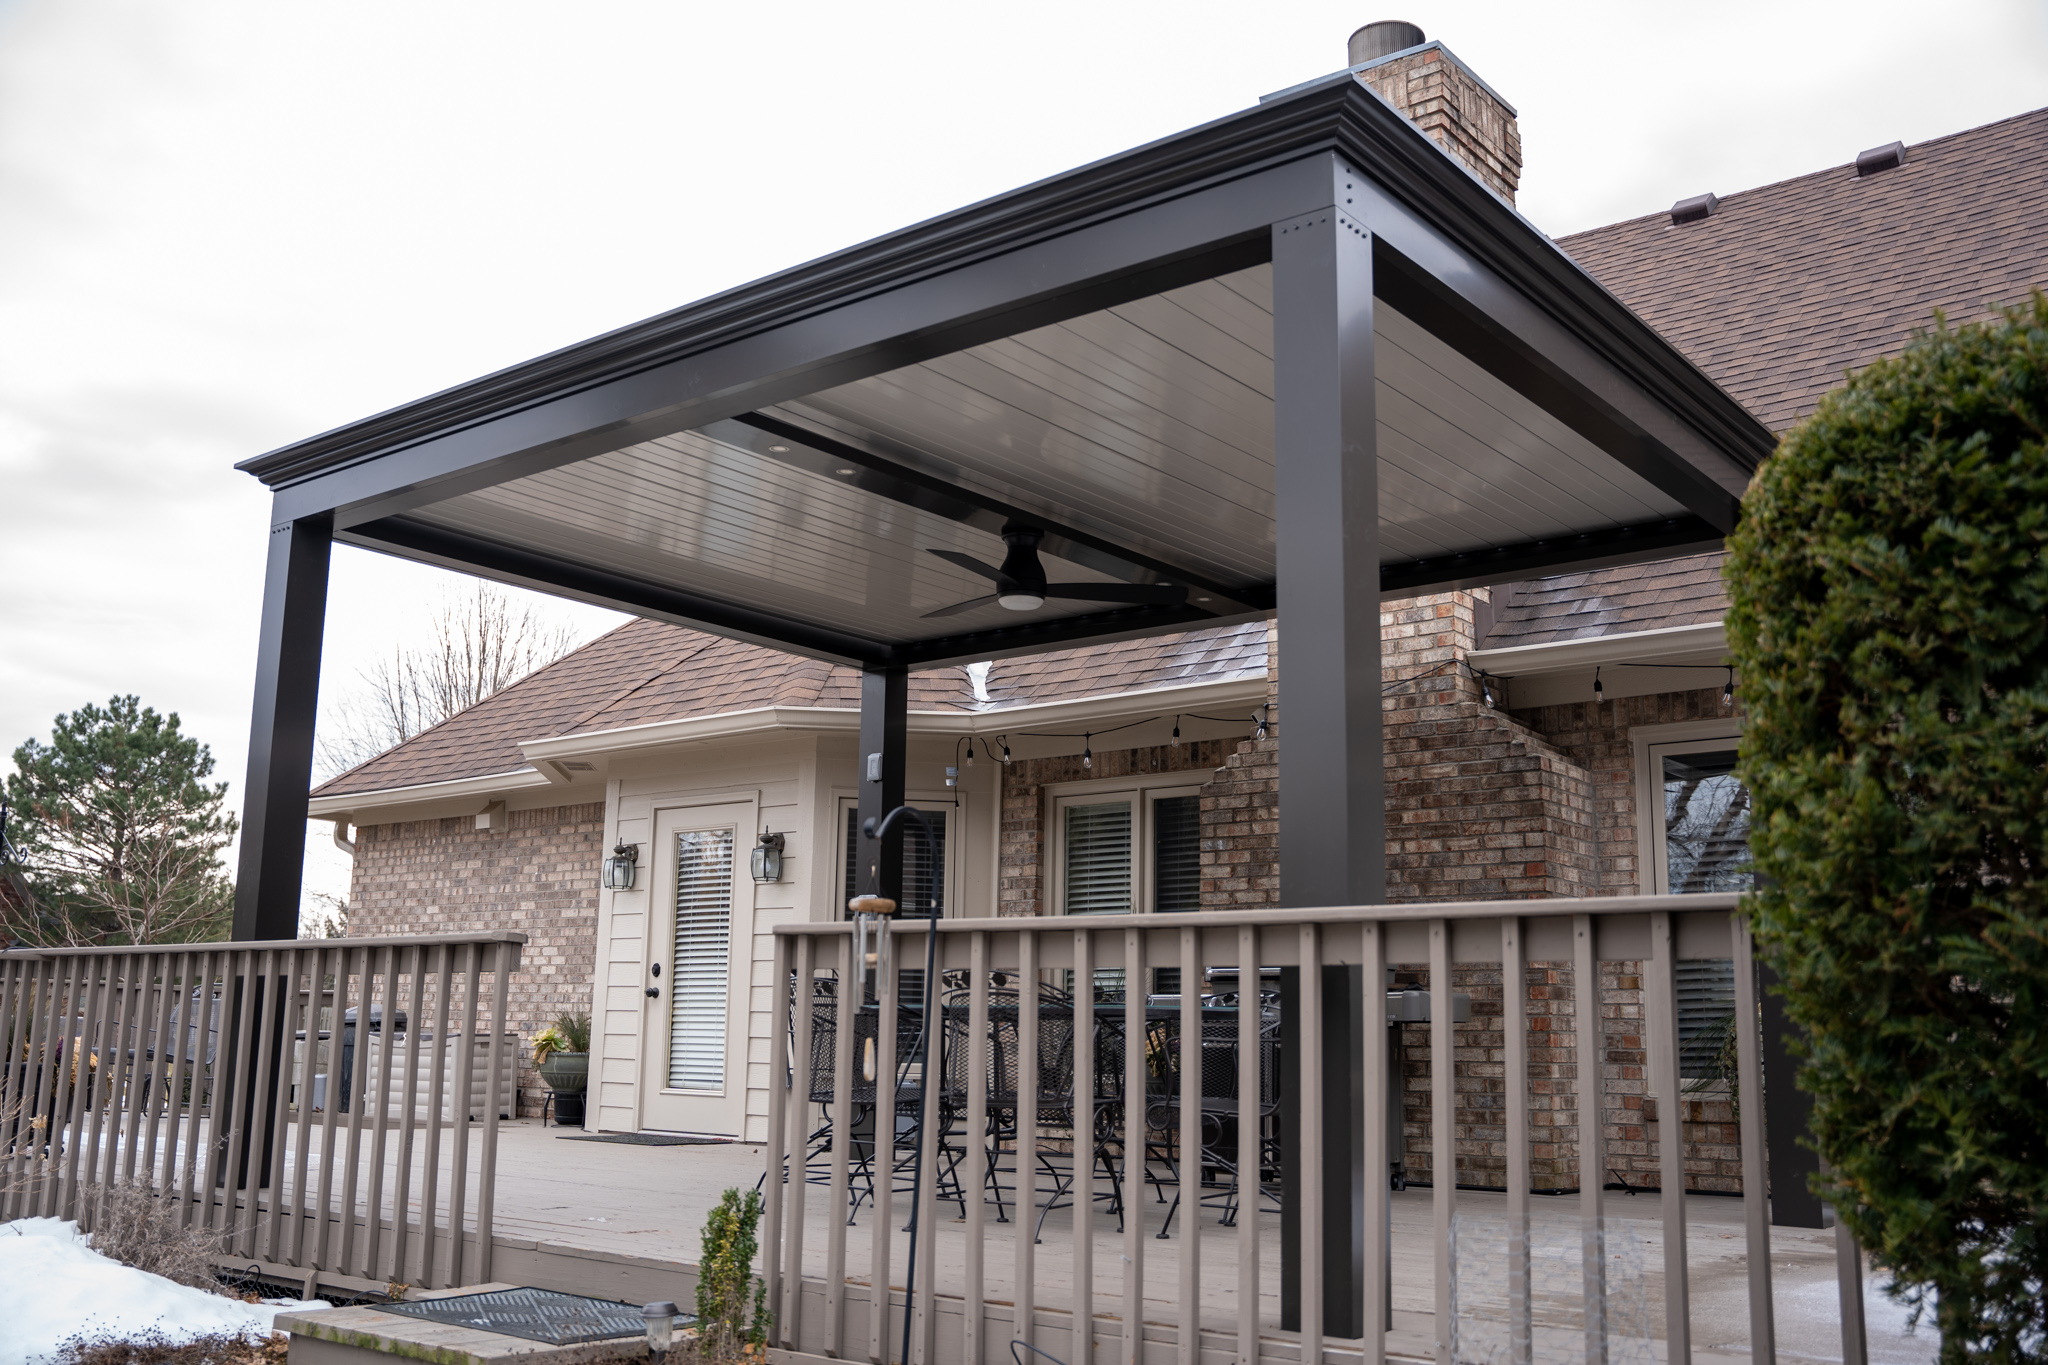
{"x":1148,"y":594}
{"x":969,"y":605}
{"x":969,"y":563}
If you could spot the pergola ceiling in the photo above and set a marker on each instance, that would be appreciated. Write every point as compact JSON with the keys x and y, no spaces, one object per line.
{"x":1146,"y":427}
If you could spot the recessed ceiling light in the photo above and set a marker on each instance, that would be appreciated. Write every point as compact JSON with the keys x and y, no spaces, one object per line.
{"x":778,"y":450}
{"x":1201,"y":599}
{"x":846,"y":471}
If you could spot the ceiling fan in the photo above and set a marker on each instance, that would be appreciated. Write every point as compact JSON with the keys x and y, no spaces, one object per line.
{"x":1021,"y":586}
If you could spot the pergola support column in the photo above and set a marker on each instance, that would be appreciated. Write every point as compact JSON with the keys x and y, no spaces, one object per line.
{"x":884,"y":728}
{"x":281,"y":729}
{"x":1333,"y":829}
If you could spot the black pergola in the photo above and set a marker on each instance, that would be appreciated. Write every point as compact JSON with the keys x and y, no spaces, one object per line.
{"x":1297,"y":360}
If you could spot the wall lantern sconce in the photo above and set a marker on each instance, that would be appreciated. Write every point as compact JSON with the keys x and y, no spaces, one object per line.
{"x":767,"y":859}
{"x":620,"y":867}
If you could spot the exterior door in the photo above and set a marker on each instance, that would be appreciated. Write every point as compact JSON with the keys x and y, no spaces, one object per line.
{"x":694,"y":1078}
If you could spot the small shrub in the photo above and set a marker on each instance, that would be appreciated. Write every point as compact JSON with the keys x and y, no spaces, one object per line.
{"x":1888,"y":615}
{"x":133,"y":1225}
{"x":152,"y":1348}
{"x":725,"y":1282}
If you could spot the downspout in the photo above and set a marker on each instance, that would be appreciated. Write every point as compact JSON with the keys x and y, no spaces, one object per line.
{"x":341,"y":839}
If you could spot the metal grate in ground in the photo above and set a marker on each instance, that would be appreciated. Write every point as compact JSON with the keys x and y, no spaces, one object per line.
{"x":532,"y":1315}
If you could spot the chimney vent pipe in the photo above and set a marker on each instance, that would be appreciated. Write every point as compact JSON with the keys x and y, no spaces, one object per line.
{"x":1387,"y":36}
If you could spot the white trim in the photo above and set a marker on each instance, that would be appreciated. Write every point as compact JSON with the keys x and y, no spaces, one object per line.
{"x":1560,"y":656}
{"x":1645,"y":740}
{"x":487,"y":786}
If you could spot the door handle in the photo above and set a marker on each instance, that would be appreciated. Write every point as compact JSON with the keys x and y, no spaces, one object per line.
{"x":653,"y":992}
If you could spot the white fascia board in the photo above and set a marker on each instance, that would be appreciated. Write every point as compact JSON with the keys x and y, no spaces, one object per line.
{"x":787,"y":719}
{"x":1641,"y":646}
{"x":486,"y":788}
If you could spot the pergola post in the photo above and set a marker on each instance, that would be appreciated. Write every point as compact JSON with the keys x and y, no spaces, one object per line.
{"x":281,"y":729}
{"x":1333,"y":826}
{"x":884,"y":727}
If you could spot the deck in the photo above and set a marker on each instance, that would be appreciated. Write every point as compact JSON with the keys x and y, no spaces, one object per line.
{"x":615,"y":1219}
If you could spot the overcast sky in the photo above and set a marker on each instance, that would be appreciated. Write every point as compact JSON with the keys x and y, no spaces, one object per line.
{"x":227,"y":226}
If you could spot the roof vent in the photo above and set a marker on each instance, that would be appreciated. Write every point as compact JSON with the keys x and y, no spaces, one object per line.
{"x":1382,"y":39}
{"x":1885,"y":158}
{"x":1693,"y":209}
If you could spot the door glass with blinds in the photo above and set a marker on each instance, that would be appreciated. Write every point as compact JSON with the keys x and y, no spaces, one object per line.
{"x":701,"y":975}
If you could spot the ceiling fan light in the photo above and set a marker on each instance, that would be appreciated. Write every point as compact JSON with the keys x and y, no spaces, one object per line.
{"x":1020,"y":601}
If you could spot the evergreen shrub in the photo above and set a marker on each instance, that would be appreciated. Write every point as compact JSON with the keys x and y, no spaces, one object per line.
{"x":1888,"y":619}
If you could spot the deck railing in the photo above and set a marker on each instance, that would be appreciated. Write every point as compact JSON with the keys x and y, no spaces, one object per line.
{"x":327,"y":1109}
{"x":1008,"y":969}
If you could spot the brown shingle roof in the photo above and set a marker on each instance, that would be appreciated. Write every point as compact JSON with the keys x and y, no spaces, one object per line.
{"x":1785,"y":288}
{"x":1782,"y":291}
{"x":648,"y":671}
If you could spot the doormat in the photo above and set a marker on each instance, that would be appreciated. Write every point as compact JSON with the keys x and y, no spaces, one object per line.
{"x":532,"y":1315}
{"x":645,"y":1139}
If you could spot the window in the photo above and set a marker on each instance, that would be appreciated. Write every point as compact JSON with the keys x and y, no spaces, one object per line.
{"x":703,"y":960}
{"x":1116,"y":852}
{"x":924,"y":869}
{"x":1695,"y":832}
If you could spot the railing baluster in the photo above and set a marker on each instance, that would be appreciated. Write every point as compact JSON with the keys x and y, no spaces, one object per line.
{"x":83,"y":1056}
{"x":1443,"y":1141}
{"x":104,"y":1151}
{"x":924,"y":1317}
{"x":1188,"y":1153}
{"x":1023,"y":1327}
{"x":504,"y":961}
{"x":431,"y":1275}
{"x":18,"y":1084}
{"x":401,"y":1198}
{"x":201,"y":1025}
{"x":774,"y":1255}
{"x":881,"y":1340}
{"x":1661,"y":976}
{"x":974,"y":1188}
{"x":1849,"y":1296}
{"x":1309,"y":1076}
{"x":793,"y":1121}
{"x":845,"y":1003}
{"x":379,"y":1118}
{"x":465,"y":1099}
{"x":1250,"y":1015}
{"x":282,"y":1107}
{"x":263,"y":1005}
{"x":320,"y":1004}
{"x":1378,"y":1258}
{"x":1082,"y":1188}
{"x":142,"y":973}
{"x":1134,"y":1134}
{"x":1591,"y":1056}
{"x":356,"y":1096}
{"x":15,"y":976}
{"x":1756,"y":1187}
{"x":164,"y":1082}
{"x":1514,"y":995}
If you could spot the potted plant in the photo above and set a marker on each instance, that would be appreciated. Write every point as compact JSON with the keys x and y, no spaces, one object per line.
{"x":561,"y":1053}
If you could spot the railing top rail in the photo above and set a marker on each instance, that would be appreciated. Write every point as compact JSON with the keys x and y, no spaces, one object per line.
{"x":1709,"y":902}
{"x":259,"y":945}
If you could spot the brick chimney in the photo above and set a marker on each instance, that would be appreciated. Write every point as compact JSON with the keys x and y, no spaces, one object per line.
{"x":1447,"y":100}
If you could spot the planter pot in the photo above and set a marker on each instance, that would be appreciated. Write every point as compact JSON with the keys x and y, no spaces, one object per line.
{"x":567,"y":1073}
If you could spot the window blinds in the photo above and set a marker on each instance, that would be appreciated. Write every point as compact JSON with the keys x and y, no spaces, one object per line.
{"x":924,"y":871}
{"x":1177,"y":853}
{"x":699,"y":978}
{"x":1098,"y":859}
{"x":1706,"y":1002}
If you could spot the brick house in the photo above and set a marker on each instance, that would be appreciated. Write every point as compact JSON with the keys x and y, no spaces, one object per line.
{"x":1562,"y":736}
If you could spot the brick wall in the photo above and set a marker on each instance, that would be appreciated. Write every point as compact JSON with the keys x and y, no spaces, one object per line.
{"x":538,"y":877}
{"x":1596,"y":736}
{"x":1464,"y":117}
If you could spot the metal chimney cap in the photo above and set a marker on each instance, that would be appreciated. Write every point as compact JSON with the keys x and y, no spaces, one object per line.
{"x":1388,"y":35}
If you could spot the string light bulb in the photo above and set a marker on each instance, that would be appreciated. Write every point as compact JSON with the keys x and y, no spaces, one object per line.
{"x":1597,"y":688}
{"x":1176,"y":729}
{"x":1087,"y":754}
{"x":1261,"y":718}
{"x":1486,"y":690}
{"x":1006,"y":748}
{"x":1728,"y":691}
{"x":970,"y":753}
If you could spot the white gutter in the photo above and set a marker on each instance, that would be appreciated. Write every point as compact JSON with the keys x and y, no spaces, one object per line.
{"x":486,"y":787}
{"x":1109,"y":706}
{"x":1668,"y":645}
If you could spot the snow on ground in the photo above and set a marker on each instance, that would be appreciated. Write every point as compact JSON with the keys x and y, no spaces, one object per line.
{"x":53,"y":1285}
